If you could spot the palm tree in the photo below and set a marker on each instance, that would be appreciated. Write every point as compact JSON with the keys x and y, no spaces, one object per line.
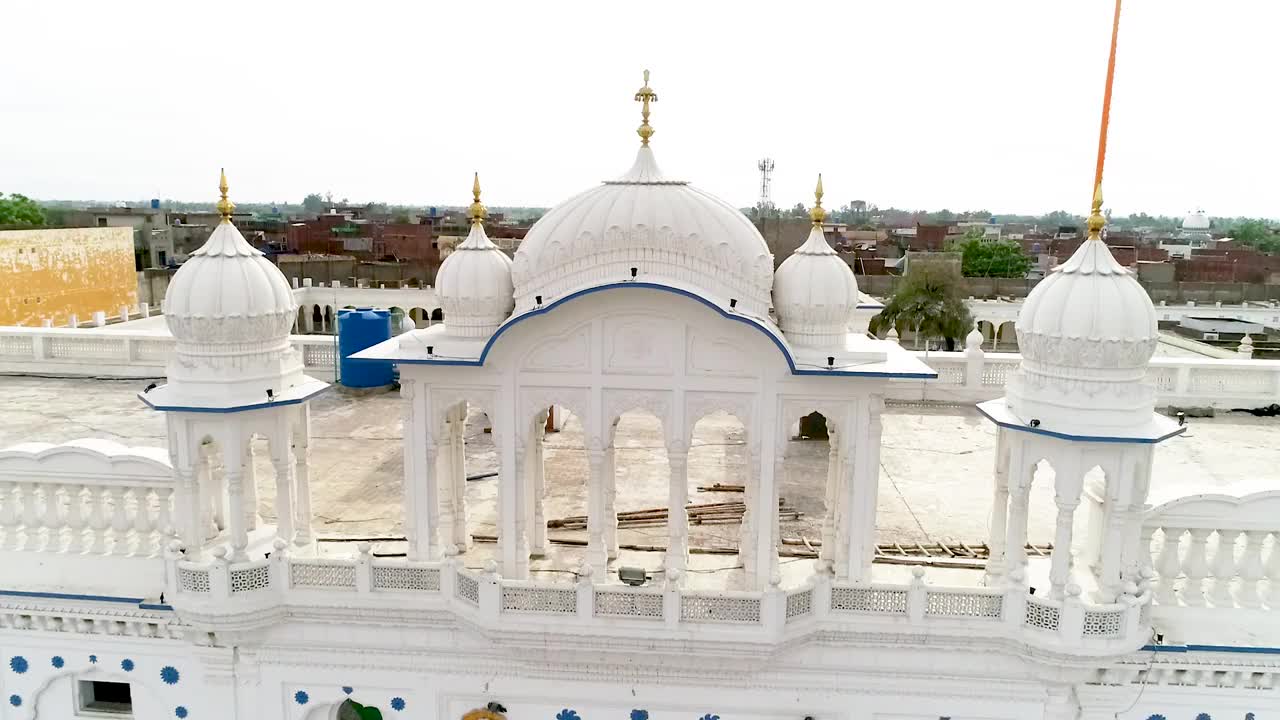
{"x":928,"y":302}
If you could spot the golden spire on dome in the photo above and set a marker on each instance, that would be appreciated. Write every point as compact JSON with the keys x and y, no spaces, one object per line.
{"x":225,"y":206}
{"x":1096,"y":221}
{"x":645,"y":95}
{"x":477,"y":210}
{"x":818,"y":214}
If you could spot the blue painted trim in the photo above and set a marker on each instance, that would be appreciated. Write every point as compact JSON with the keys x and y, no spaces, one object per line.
{"x":786,"y":352}
{"x":1084,"y":438}
{"x":91,"y":598}
{"x":1213,"y":648}
{"x":235,"y":409}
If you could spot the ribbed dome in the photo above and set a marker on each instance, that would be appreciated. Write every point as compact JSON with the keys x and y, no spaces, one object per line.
{"x":230,"y":311}
{"x":815,"y":294}
{"x":1086,"y":334}
{"x":474,"y":286}
{"x":668,"y":230}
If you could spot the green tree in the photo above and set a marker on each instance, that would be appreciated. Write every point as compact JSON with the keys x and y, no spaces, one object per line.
{"x":1004,"y":258}
{"x":1256,"y":234}
{"x":20,"y":210}
{"x":928,"y":302}
{"x":314,"y":203}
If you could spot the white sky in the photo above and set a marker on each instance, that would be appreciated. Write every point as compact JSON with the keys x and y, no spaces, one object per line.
{"x":914,"y":104}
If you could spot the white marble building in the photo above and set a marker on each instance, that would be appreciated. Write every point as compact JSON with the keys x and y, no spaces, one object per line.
{"x":140,"y":583}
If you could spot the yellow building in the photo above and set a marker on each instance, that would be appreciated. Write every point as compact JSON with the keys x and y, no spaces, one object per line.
{"x":51,"y":274}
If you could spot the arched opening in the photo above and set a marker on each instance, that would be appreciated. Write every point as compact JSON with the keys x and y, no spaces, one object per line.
{"x":317,"y":320}
{"x":1006,"y":334}
{"x":328,"y":319}
{"x":300,"y":322}
{"x":637,"y":482}
{"x":720,"y":492}
{"x":437,"y":315}
{"x":557,"y":474}
{"x":811,"y":526}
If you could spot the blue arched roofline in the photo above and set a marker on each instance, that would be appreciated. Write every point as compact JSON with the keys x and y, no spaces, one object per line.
{"x":726,"y":313}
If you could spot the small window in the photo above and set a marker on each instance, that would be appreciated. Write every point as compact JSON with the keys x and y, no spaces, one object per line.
{"x":102,"y":222}
{"x":106,"y":697}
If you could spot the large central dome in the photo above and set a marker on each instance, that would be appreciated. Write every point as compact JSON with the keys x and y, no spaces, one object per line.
{"x":670,"y":232}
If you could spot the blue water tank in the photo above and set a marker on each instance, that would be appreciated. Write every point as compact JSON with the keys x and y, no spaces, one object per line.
{"x":155,"y":203}
{"x":359,"y":329}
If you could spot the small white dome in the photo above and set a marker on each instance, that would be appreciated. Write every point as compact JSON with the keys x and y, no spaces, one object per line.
{"x":474,"y":282}
{"x":670,"y":231}
{"x":1086,"y":333}
{"x":1197,"y":220}
{"x":230,"y":310}
{"x":814,"y":292}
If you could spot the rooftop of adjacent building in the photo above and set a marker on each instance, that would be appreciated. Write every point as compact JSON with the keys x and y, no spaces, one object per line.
{"x":934,"y":482}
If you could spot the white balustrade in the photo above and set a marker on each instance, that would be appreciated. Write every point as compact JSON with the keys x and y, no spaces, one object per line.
{"x":85,"y":497}
{"x":1209,"y":550}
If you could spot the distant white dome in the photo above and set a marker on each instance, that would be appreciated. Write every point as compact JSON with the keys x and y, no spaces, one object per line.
{"x":671,"y":232}
{"x":1086,"y":333}
{"x":474,"y":282}
{"x":230,"y":310}
{"x":1197,"y":220}
{"x":815,"y":294}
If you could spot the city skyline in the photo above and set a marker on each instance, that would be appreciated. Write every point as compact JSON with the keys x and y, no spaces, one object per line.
{"x":934,"y":107}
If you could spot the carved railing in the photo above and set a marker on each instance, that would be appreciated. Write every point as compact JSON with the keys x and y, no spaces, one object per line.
{"x":94,"y":352}
{"x":85,"y":497}
{"x":207,"y":589}
{"x":1216,"y":550}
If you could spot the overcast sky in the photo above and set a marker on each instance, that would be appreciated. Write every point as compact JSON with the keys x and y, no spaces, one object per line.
{"x":919,"y":105}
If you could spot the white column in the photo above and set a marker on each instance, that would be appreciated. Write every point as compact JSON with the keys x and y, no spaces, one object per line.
{"x":458,"y":468}
{"x":1015,"y":552}
{"x":677,"y":514}
{"x":999,"y":510}
{"x":420,"y":479}
{"x":861,"y":453}
{"x":611,"y":496}
{"x":751,"y":485}
{"x":302,"y":475}
{"x":597,"y":554}
{"x":187,"y":511}
{"x":233,"y":468}
{"x":250,"y":475}
{"x":1060,"y":561}
{"x":827,"y":553}
{"x":444,"y":472}
{"x":512,"y":539}
{"x":535,"y":482}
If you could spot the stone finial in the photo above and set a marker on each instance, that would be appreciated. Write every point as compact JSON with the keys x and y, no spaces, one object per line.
{"x":973,"y":341}
{"x":1246,"y":346}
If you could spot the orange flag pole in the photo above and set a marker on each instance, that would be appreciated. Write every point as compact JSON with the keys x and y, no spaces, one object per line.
{"x":1106,"y":101}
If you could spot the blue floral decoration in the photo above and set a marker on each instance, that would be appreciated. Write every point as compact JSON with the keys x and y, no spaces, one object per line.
{"x":126,"y":665}
{"x":180,"y":711}
{"x":567,"y":714}
{"x":709,"y":716}
{"x":15,"y":700}
{"x":57,"y":661}
{"x":1203,"y":716}
{"x":346,"y":689}
{"x":301,"y":697}
{"x":1249,"y":716}
{"x":1157,"y":717}
{"x":18,"y":664}
{"x":639,"y":715}
{"x":397,"y":703}
{"x":169,"y":674}
{"x":93,"y":659}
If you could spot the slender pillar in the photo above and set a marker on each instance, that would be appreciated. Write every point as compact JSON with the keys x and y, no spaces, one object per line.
{"x":611,"y":495}
{"x":677,"y":514}
{"x":187,"y":506}
{"x":861,"y":453}
{"x":515,"y":543}
{"x":458,"y":476}
{"x":747,"y":538}
{"x":444,"y":471}
{"x":237,"y":530}
{"x":827,"y":553}
{"x":1016,"y":535}
{"x":250,"y":475}
{"x":999,"y":522}
{"x":1060,"y":561}
{"x":302,"y":475}
{"x":283,"y":463}
{"x":420,"y":481}
{"x":597,"y":554}
{"x":537,"y":471}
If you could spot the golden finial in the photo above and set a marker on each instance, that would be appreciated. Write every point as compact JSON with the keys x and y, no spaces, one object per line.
{"x":645,"y":95}
{"x":1096,"y":221}
{"x":225,"y":206}
{"x":477,"y":210}
{"x":817,"y":214}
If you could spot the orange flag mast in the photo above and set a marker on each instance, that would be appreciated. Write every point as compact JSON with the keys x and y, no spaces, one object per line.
{"x":1106,"y":102}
